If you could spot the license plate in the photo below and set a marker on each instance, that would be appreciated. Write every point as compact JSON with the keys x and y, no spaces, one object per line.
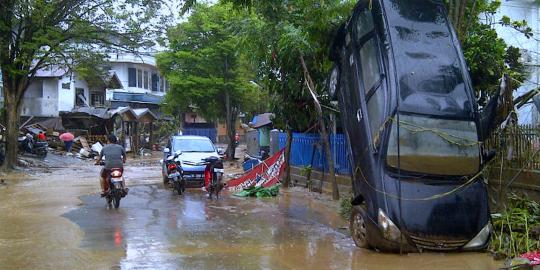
{"x":193,"y":176}
{"x":176,"y":174}
{"x":116,"y":180}
{"x":219,"y":170}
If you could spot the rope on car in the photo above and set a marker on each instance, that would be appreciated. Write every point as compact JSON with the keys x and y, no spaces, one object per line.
{"x":444,"y":194}
{"x":433,"y":197}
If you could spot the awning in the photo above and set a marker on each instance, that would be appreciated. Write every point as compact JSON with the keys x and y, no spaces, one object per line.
{"x":90,"y":111}
{"x":137,"y":97}
{"x":262,"y":120}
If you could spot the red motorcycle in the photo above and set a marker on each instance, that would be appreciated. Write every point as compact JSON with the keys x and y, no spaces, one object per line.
{"x":213,"y":176}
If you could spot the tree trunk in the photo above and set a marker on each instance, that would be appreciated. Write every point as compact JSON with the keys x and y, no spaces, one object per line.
{"x":13,"y":114}
{"x":230,"y":117}
{"x":229,"y":122}
{"x":287,"y":181}
{"x":324,"y":133}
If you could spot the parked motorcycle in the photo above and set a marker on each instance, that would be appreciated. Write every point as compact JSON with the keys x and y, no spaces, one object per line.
{"x":213,"y":176}
{"x":28,"y":145}
{"x":117,"y":189}
{"x":174,"y":173}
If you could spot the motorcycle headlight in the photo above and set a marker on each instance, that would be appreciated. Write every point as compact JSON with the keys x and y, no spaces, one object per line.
{"x":481,"y":238}
{"x":389,"y":229}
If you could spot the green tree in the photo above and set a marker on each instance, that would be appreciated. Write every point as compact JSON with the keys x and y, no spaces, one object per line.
{"x":41,"y":33}
{"x":206,"y":68}
{"x":487,"y":55}
{"x":290,"y":41}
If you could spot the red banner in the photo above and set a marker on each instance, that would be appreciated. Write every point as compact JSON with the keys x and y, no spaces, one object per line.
{"x":266,"y":174}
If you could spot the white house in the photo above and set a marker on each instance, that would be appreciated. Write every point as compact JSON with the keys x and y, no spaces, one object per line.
{"x":141,"y":85}
{"x":133,"y":80}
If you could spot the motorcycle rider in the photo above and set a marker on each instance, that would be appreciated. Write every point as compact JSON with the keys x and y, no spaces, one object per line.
{"x":115,"y":157}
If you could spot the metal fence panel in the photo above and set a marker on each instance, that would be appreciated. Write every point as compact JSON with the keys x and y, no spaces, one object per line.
{"x":252,"y":141}
{"x":307,"y":149}
{"x":207,"y":132}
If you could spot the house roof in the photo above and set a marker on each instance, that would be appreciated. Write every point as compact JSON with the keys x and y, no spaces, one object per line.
{"x":53,"y":124}
{"x":51,"y":72}
{"x":126,"y":113}
{"x":92,"y":111}
{"x":145,"y":115}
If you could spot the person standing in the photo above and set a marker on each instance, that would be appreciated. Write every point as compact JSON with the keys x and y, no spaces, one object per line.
{"x":67,"y":138}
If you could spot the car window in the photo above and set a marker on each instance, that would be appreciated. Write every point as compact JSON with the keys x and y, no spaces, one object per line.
{"x":193,"y":145}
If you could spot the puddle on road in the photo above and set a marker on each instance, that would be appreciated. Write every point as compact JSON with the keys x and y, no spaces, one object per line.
{"x":44,"y":226}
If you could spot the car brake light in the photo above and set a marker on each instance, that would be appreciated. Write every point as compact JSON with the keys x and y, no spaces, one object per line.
{"x":116,"y":173}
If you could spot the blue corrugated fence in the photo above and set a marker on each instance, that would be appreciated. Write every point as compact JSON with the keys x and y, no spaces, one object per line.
{"x":302,"y":150}
{"x":207,"y":132}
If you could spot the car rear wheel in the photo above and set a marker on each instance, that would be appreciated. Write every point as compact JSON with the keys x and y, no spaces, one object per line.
{"x":358,"y":226}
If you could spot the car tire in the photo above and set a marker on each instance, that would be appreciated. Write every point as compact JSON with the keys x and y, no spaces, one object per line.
{"x":358,"y":226}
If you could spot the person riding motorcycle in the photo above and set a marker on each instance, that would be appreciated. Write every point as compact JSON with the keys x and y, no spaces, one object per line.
{"x":115,"y":157}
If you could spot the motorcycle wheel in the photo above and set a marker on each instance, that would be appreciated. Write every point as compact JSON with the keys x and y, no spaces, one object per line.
{"x":177,"y":186}
{"x":116,"y":198}
{"x":109,"y":200}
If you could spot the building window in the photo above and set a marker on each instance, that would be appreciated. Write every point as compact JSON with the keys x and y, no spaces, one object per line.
{"x":139,"y":79}
{"x":98,"y":99}
{"x":145,"y":79}
{"x":155,"y":81}
{"x":65,"y":85}
{"x":132,"y":77}
{"x":79,"y":97}
{"x":161,"y":84}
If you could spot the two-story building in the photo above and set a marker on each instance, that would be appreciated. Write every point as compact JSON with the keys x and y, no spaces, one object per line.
{"x":140,"y":83}
{"x":132,"y":80}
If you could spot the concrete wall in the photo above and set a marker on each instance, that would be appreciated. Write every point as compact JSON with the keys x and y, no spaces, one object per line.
{"x":299,"y":179}
{"x":252,"y":141}
{"x":41,"y":98}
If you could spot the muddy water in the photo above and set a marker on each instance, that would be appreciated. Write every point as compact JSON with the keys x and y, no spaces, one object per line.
{"x":52,"y":221}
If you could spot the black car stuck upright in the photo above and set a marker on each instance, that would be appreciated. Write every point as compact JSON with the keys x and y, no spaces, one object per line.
{"x":414,"y":129}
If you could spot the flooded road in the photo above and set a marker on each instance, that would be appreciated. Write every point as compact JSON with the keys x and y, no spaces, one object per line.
{"x":57,"y":221}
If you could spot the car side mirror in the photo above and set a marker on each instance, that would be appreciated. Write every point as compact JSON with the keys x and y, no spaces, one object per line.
{"x":166,"y":150}
{"x":220,"y":151}
{"x":333,"y":83}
